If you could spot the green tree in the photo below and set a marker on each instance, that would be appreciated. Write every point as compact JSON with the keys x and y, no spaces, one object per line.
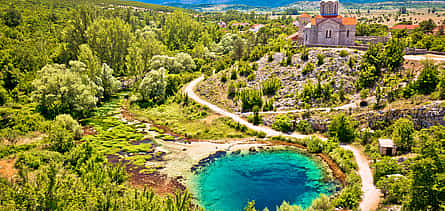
{"x":106,"y":81}
{"x":385,"y":166}
{"x":395,"y":188}
{"x":374,"y":56}
{"x":403,"y":134}
{"x":140,"y":52}
{"x":153,"y":85}
{"x":394,"y":52}
{"x":110,"y":39}
{"x":62,"y":90}
{"x":86,"y":56}
{"x":428,"y":78}
{"x":341,"y":128}
{"x":427,"y":26}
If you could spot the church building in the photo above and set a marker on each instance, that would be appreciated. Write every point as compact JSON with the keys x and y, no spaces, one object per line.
{"x":328,"y":28}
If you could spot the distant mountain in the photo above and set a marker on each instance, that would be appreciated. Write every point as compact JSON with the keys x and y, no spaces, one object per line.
{"x":252,"y":3}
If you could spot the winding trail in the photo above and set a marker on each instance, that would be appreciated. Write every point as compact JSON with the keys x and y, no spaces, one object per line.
{"x":371,"y":195}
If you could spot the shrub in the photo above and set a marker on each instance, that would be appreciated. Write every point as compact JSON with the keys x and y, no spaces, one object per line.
{"x":304,"y":127}
{"x":35,"y":159}
{"x":270,"y":57}
{"x":349,"y":197}
{"x":251,"y":77}
{"x":305,"y":55}
{"x":341,"y":128}
{"x":385,"y":166}
{"x":343,"y":53}
{"x":223,"y":78}
{"x":250,"y":98}
{"x":271,"y":86}
{"x":67,"y":122}
{"x":403,"y":132}
{"x":61,"y":140}
{"x":233,"y":75}
{"x":320,"y":59}
{"x":231,"y":92}
{"x":314,"y":144}
{"x":3,"y":96}
{"x":282,"y":123}
{"x":268,"y":105}
{"x":308,"y":68}
{"x":428,"y":78}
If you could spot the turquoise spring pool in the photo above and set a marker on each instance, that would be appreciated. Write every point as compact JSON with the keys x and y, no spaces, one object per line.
{"x":269,"y":178}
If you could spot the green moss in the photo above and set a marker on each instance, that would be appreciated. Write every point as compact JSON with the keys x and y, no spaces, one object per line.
{"x":189,"y":121}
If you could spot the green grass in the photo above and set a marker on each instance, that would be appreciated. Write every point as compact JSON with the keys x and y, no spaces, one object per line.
{"x":189,"y":120}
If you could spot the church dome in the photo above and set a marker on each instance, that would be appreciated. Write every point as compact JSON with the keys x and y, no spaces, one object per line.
{"x":329,"y":7}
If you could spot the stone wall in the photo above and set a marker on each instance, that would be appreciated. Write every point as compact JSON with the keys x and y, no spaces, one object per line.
{"x":422,"y":117}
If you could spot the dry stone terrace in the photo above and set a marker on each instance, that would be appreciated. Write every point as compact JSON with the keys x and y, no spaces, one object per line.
{"x":334,"y":70}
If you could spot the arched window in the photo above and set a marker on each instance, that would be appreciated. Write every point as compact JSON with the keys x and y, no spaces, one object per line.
{"x":330,"y":33}
{"x":347,"y":33}
{"x":326,"y":33}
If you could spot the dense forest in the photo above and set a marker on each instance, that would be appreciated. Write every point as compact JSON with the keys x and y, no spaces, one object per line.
{"x":66,"y":66}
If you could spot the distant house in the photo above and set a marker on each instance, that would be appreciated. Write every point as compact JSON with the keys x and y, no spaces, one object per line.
{"x":439,"y":30}
{"x":222,"y":24}
{"x":387,"y":147}
{"x":407,"y":27}
{"x":256,"y":27}
{"x":240,"y":24}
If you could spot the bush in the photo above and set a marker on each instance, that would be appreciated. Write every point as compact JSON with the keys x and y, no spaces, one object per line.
{"x":233,"y":75}
{"x":223,"y":78}
{"x":231,"y":92}
{"x":268,"y":105}
{"x":349,"y":197}
{"x":282,"y":123}
{"x":343,"y":53}
{"x":271,"y":86}
{"x":3,"y":96}
{"x":255,"y":118}
{"x":305,"y":55}
{"x":304,"y":127}
{"x":35,"y":159}
{"x":61,"y":140}
{"x":320,"y":59}
{"x":314,"y":144}
{"x":341,"y":128}
{"x":428,"y":78}
{"x":250,"y":98}
{"x":385,"y":166}
{"x":308,"y":68}
{"x":67,"y":122}
{"x":251,"y":77}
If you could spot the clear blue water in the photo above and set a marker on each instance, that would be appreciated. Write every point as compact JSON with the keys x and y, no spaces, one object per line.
{"x":269,"y":178}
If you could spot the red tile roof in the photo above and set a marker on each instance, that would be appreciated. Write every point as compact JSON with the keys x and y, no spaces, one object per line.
{"x":349,"y":21}
{"x":304,"y":15}
{"x":409,"y":27}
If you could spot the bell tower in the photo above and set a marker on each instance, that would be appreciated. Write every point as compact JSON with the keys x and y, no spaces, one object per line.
{"x":329,"y":8}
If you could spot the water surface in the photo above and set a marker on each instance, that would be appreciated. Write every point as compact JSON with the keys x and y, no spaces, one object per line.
{"x":269,"y":178}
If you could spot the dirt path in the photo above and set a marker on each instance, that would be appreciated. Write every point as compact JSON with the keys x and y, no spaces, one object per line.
{"x":371,"y":194}
{"x":437,"y":58}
